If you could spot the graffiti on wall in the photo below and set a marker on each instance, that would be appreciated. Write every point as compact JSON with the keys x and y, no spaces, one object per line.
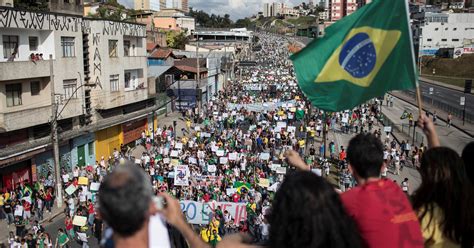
{"x":97,"y":61}
{"x":10,"y":18}
{"x":123,"y":28}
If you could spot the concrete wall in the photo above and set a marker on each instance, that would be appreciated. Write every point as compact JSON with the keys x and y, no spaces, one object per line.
{"x":103,"y":65}
{"x":448,"y":35}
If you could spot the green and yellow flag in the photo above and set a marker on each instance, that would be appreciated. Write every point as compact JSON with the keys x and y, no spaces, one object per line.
{"x":360,"y":57}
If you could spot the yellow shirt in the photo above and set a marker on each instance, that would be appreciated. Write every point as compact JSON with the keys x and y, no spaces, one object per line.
{"x":433,"y":233}
{"x":1,"y":200}
{"x":301,"y":143}
{"x":7,"y":196}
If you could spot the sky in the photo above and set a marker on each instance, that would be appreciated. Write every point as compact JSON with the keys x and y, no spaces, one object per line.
{"x":235,"y":8}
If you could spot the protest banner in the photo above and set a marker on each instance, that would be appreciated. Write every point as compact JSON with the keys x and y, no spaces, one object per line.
{"x":94,"y":186}
{"x":83,"y":181}
{"x":71,"y":189}
{"x":181,"y":175}
{"x":79,"y":220}
{"x":200,"y":212}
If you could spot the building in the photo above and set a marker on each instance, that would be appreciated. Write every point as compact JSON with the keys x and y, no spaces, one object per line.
{"x":149,"y":5}
{"x":273,"y":9}
{"x":7,"y":3}
{"x":97,"y":79}
{"x":342,"y":8}
{"x":27,"y":87}
{"x":446,"y":30}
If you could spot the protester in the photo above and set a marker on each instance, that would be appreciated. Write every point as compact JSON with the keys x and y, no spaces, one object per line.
{"x":444,"y":200}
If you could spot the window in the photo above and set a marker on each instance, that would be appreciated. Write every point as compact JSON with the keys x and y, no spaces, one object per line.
{"x":436,"y":29}
{"x":113,"y":48}
{"x":35,"y":88}
{"x":444,"y":39}
{"x":126,"y":48}
{"x":10,"y":46}
{"x":446,"y":29}
{"x":114,"y":82}
{"x":90,"y":148}
{"x":429,"y":39}
{"x":13,"y":94}
{"x":67,"y":44}
{"x":128,"y":77}
{"x":33,"y":41}
{"x":454,"y":29}
{"x":455,"y":40}
{"x":70,"y":87}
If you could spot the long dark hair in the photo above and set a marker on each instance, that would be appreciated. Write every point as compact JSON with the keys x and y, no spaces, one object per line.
{"x":444,"y":183}
{"x":307,"y":212}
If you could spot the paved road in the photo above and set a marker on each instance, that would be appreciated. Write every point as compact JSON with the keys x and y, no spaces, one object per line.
{"x":447,"y":99}
{"x":58,"y":222}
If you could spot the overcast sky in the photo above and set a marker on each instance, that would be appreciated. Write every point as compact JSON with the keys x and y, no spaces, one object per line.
{"x":235,"y":8}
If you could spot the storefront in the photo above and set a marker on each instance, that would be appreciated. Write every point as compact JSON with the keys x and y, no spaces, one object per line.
{"x":45,"y":161}
{"x":133,"y":130}
{"x":106,"y":140}
{"x":83,"y":150}
{"x":15,"y":174}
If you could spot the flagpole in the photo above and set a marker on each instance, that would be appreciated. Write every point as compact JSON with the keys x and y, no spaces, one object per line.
{"x":418,"y":94}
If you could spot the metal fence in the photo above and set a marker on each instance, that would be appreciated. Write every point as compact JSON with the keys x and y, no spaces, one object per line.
{"x":454,"y":110}
{"x":404,"y":128}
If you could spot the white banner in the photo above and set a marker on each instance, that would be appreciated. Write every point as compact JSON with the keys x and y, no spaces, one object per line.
{"x":200,"y":212}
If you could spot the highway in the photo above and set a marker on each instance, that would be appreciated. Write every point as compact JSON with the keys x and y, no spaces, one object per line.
{"x":443,"y":98}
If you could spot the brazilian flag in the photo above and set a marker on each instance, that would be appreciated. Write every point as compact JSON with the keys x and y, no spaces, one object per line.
{"x":239,"y":185}
{"x":360,"y":57}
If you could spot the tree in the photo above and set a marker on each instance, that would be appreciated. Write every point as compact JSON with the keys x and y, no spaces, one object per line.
{"x":176,"y":40}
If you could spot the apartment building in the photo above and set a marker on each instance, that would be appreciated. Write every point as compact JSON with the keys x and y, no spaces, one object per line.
{"x":97,"y":77}
{"x":341,"y":8}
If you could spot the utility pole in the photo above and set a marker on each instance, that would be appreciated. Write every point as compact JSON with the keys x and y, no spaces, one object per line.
{"x":54,"y":136}
{"x":198,"y":77}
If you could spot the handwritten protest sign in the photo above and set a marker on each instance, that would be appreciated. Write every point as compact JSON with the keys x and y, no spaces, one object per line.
{"x":281,"y":170}
{"x":166,"y":160}
{"x":179,"y":146}
{"x":174,"y":162}
{"x":95,"y":186}
{"x":83,"y":181}
{"x":291,"y":129}
{"x":174,"y":154}
{"x":265,"y":156}
{"x":223,"y":160}
{"x":71,"y":189}
{"x":233,"y":156}
{"x":200,"y":212}
{"x":211,"y":168}
{"x":264,"y":182}
{"x":275,"y":166}
{"x":230,"y":191}
{"x":220,"y":153}
{"x":79,"y":220}
{"x":192,"y":160}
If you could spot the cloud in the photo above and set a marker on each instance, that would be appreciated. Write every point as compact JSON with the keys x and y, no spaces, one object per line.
{"x":235,"y":8}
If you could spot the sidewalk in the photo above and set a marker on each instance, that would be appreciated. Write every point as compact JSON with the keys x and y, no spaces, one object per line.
{"x":48,"y":217}
{"x":467,"y":128}
{"x":450,"y":137}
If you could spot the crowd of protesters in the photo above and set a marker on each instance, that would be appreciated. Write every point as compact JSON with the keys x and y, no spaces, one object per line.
{"x":259,"y":129}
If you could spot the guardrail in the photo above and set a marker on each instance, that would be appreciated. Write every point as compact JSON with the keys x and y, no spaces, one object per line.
{"x":405,"y":129}
{"x":454,"y":110}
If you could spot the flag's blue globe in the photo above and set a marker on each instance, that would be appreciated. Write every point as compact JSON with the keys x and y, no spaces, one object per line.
{"x":358,"y":55}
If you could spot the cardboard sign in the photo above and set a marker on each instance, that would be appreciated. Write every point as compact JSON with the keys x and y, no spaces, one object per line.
{"x":220,"y":153}
{"x":233,"y":156}
{"x":275,"y":166}
{"x":178,"y":146}
{"x":71,"y":189}
{"x":291,"y":129}
{"x":166,"y":160}
{"x":212,"y":168}
{"x":192,"y":160}
{"x":265,"y":156}
{"x":205,"y":135}
{"x":264,"y":182}
{"x":181,"y":175}
{"x":18,"y":212}
{"x":230,"y":191}
{"x":83,"y":181}
{"x":317,"y":171}
{"x":79,"y":220}
{"x":281,"y":124}
{"x":214,"y":148}
{"x":174,"y":162}
{"x":95,"y":186}
{"x":138,"y":161}
{"x":387,"y":129}
{"x":223,"y":160}
{"x":281,"y":170}
{"x":197,"y":128}
{"x":174,"y":154}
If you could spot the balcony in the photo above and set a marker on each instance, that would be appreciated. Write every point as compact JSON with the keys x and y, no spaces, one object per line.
{"x":23,"y":69}
{"x":10,"y":121}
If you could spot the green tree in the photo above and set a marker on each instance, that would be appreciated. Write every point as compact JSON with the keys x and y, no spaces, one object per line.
{"x":176,"y":40}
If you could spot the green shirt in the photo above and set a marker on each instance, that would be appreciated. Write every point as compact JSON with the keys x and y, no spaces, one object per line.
{"x":62,"y":238}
